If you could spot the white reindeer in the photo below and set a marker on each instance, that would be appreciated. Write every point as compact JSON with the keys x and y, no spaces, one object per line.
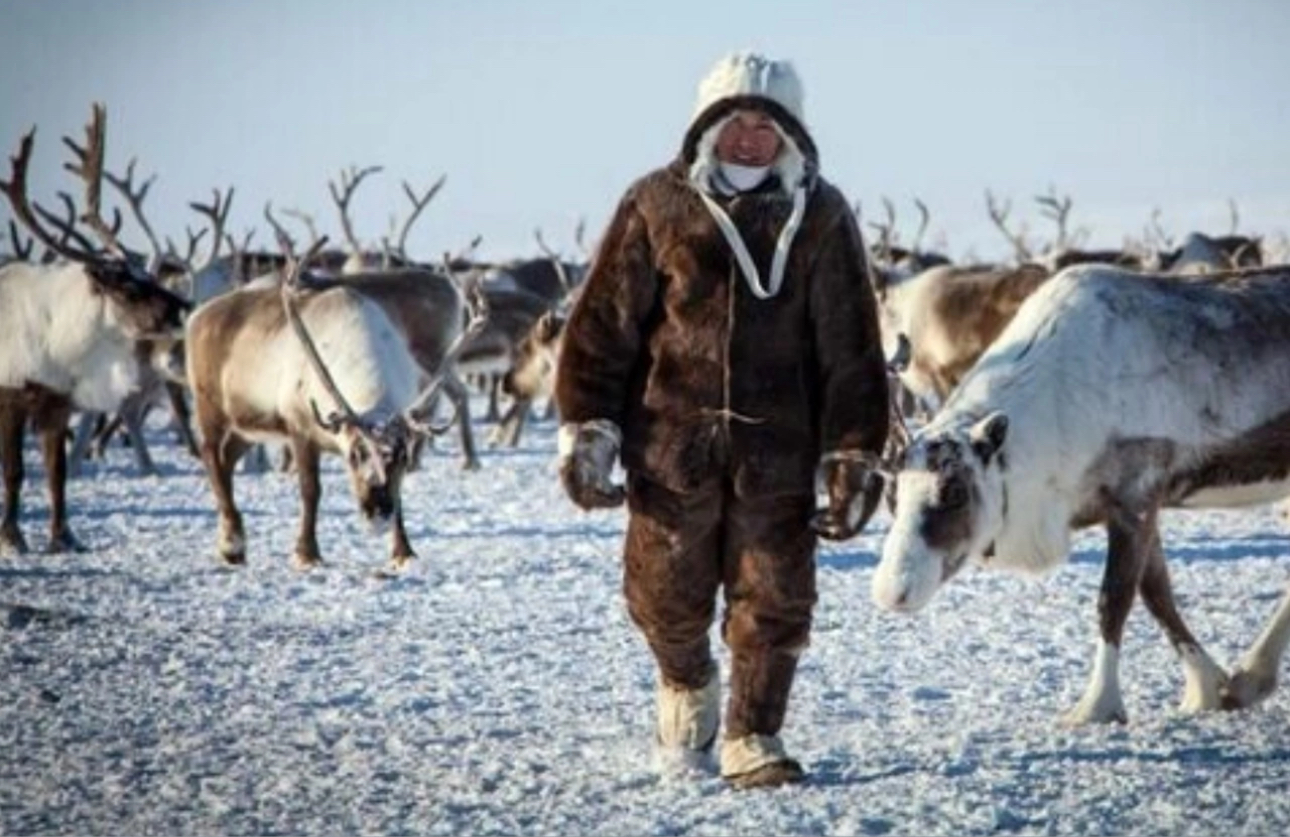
{"x":1109,"y":396}
{"x":69,"y":334}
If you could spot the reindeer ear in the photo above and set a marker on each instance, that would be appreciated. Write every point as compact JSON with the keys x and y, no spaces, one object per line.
{"x":549,"y":326}
{"x":988,"y":435}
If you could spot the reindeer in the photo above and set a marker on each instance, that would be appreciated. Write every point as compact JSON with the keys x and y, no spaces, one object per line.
{"x":520,"y":292}
{"x":892,"y":263}
{"x":161,"y":362}
{"x":532,"y":373}
{"x":1110,"y":396}
{"x":950,"y":315}
{"x":69,"y":332}
{"x":255,"y":361}
{"x":1200,"y":253}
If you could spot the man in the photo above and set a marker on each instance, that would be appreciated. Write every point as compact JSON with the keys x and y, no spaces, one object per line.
{"x":726,"y":341}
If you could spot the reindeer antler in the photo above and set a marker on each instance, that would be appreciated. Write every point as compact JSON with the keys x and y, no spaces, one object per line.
{"x":886,"y":231}
{"x":556,"y":261}
{"x":477,"y":317}
{"x":217,"y":211}
{"x":135,"y":198}
{"x":349,"y":180}
{"x":285,"y":242}
{"x":924,"y":218}
{"x":305,"y":218}
{"x":290,"y":289}
{"x":1058,"y":210}
{"x":999,"y":215}
{"x":15,"y":188}
{"x":90,"y":170}
{"x":418,"y":204}
{"x":21,"y":250}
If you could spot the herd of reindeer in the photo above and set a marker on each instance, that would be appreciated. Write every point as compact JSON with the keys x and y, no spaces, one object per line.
{"x":1062,"y":389}
{"x":351,"y":350}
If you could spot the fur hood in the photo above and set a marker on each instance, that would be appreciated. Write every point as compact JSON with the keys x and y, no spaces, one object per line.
{"x":747,"y":81}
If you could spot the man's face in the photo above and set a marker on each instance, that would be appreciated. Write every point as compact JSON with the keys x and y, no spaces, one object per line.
{"x":749,"y":138}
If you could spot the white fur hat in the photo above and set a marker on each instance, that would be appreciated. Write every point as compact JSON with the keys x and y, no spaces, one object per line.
{"x":750,"y":74}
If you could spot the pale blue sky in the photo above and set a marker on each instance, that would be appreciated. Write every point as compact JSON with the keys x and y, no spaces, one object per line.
{"x":541,"y":113}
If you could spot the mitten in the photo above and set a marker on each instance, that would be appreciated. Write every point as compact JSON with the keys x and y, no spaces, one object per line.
{"x":853,"y":489}
{"x":587,"y":453}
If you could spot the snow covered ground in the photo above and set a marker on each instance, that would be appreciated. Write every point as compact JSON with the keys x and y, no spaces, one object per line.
{"x":499,"y":688}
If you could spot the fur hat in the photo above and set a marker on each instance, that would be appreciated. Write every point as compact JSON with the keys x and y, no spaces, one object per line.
{"x":749,"y":74}
{"x":750,"y":80}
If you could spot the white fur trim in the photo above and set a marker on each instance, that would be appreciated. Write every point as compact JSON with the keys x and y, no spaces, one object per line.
{"x":789,"y":166}
{"x":688,"y":718}
{"x":744,"y":755}
{"x":746,"y":73}
{"x":567,"y":436}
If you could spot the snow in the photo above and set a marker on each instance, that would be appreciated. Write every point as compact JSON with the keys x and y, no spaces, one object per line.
{"x":498,"y":687}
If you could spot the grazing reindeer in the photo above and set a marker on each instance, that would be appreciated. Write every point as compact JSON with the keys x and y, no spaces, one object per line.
{"x":255,"y":360}
{"x":426,"y":306}
{"x":69,"y":333}
{"x":1110,"y":396}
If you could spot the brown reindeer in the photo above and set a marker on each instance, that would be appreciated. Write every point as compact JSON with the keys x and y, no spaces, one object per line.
{"x":265,"y":362}
{"x":950,"y":315}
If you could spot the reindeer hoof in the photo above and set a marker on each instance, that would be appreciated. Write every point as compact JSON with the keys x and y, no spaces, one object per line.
{"x":64,"y":542}
{"x":1246,"y":688}
{"x":304,"y":562}
{"x":12,"y":542}
{"x":233,"y":559}
{"x":1085,"y":713}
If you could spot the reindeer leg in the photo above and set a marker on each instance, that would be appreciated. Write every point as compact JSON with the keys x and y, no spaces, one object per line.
{"x":522,"y":407}
{"x":401,"y":552}
{"x":258,"y":461}
{"x":183,"y":416}
{"x":460,"y":398}
{"x":306,"y":455}
{"x":1103,"y":701}
{"x":494,"y":406}
{"x":81,"y":443}
{"x":106,"y":429}
{"x":1255,"y":676}
{"x":132,"y":416}
{"x":13,"y":419}
{"x":51,"y":419}
{"x":220,"y":451}
{"x":504,"y":431}
{"x":1203,"y":679}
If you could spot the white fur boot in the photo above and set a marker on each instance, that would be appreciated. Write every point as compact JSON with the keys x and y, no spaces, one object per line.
{"x":687,"y":725}
{"x":758,"y":761}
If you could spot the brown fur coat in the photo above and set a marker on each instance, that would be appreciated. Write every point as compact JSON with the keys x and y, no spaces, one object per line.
{"x":703,"y":378}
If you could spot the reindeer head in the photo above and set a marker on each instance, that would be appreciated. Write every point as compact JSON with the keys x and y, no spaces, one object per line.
{"x":376,"y":454}
{"x":375,"y":447}
{"x":139,"y":306}
{"x":949,"y":505}
{"x":533,"y":371}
